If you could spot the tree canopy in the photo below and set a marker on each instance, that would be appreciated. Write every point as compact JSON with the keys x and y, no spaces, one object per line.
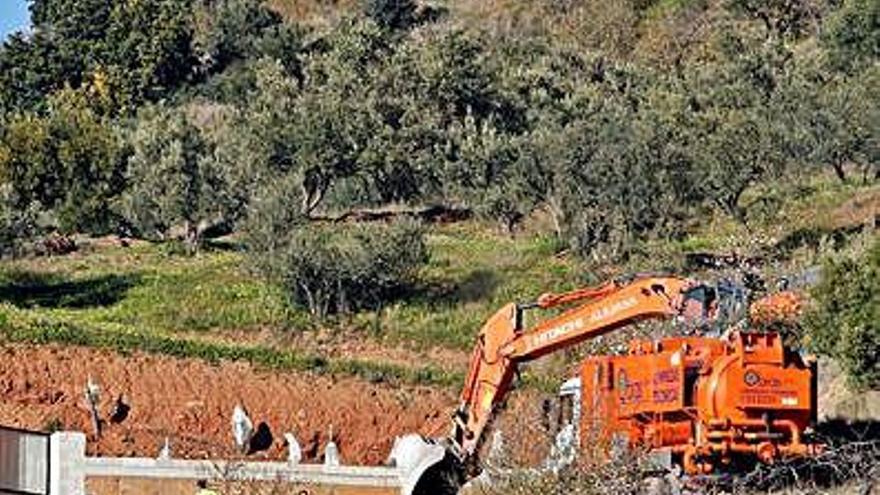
{"x":622,"y":122}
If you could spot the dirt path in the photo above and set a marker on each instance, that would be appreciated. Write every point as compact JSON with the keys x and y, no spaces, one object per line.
{"x":191,"y":402}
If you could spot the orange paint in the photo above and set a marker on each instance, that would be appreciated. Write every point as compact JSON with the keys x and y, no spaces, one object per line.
{"x":746,"y":396}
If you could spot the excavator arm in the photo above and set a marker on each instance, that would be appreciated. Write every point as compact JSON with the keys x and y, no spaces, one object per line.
{"x":503,"y":343}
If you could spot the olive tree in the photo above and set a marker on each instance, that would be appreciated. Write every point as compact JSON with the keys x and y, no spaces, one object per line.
{"x":851,"y":35}
{"x":839,"y":123}
{"x":737,"y":150}
{"x":67,"y":161}
{"x":173,"y":180}
{"x":781,"y":18}
{"x":227,"y":31}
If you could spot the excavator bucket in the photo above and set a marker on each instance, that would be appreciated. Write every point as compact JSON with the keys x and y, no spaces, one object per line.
{"x":429,"y":466}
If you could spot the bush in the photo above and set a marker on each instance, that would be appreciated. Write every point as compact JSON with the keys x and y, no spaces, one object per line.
{"x":845,"y":322}
{"x":17,"y":225}
{"x":341,"y":269}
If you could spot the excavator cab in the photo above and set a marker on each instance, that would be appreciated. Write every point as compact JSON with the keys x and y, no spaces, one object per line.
{"x":698,"y":306}
{"x":709,"y":309}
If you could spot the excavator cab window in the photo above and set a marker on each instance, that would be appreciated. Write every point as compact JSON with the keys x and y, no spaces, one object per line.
{"x":732,"y":304}
{"x":698,"y":306}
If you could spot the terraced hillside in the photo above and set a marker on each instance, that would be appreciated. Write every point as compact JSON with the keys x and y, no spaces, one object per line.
{"x":233,"y":337}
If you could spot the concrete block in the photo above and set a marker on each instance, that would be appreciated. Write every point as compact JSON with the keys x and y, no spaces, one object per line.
{"x":67,"y":455}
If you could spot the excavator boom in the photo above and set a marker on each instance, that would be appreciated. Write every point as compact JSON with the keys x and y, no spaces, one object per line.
{"x":503,"y":343}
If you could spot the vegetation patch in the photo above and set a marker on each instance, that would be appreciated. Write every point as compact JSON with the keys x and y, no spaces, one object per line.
{"x":845,"y":320}
{"x":18,"y":327}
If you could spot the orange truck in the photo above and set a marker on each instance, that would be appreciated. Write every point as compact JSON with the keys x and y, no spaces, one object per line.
{"x":715,"y":400}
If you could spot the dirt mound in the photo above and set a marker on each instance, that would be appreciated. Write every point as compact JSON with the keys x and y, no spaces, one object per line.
{"x":191,"y":402}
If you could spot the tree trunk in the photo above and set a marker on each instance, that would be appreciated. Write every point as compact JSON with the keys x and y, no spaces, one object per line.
{"x":191,"y":237}
{"x":312,"y":198}
{"x":839,"y":171}
{"x":730,"y":204}
{"x":556,"y":215}
{"x":866,"y":174}
{"x":510,"y":222}
{"x":310,"y":299}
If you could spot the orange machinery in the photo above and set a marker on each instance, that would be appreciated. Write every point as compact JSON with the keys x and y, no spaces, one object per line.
{"x":707,"y":402}
{"x":704,"y":401}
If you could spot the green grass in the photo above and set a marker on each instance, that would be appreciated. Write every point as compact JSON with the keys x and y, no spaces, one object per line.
{"x":19,"y":326}
{"x":147,"y":297}
{"x":153,"y":291}
{"x":472,"y":272}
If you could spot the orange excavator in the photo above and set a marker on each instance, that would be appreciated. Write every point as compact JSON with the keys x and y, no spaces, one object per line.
{"x":703,"y":401}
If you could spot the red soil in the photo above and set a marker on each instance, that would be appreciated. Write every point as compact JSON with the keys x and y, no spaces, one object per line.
{"x":336,"y":344}
{"x":191,"y":402}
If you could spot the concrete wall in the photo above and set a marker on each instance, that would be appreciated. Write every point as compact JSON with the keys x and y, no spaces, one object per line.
{"x":72,"y":472}
{"x":142,"y":486}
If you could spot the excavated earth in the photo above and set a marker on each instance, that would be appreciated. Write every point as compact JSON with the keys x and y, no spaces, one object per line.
{"x":191,"y":401}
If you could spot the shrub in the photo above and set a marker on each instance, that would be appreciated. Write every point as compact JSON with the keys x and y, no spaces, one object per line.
{"x":341,"y":269}
{"x":17,"y":225}
{"x":391,"y":14}
{"x":845,"y":322}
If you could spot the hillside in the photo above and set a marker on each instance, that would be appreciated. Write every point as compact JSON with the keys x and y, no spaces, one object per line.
{"x":145,"y":298}
{"x":313,"y":206}
{"x":150,"y":295}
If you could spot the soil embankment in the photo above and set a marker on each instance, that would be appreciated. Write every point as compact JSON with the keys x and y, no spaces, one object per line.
{"x":190,"y":402}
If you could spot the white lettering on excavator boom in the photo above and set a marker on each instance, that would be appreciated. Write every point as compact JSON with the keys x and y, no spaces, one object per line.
{"x":579,"y":323}
{"x":606,"y":312}
{"x":558,"y":331}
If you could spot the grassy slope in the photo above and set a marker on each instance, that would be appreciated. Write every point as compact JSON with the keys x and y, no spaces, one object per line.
{"x":472,"y":272}
{"x":143,"y":297}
